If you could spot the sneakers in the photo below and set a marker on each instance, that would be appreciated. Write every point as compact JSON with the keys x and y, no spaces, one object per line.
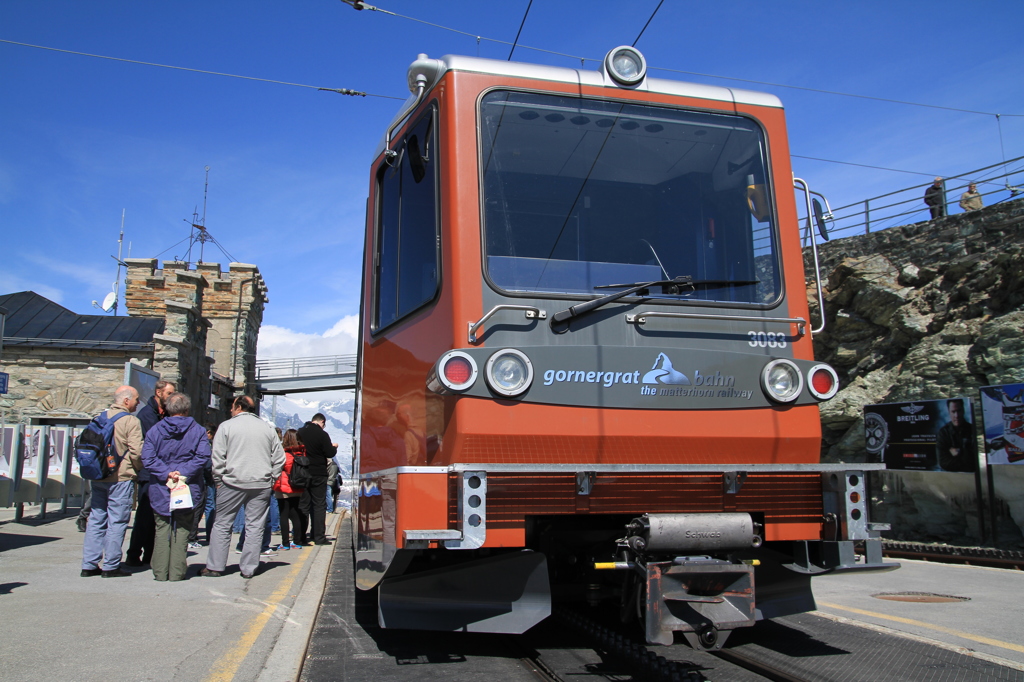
{"x":293,"y":546}
{"x":207,"y":573}
{"x":282,"y":548}
{"x":268,"y":553}
{"x":90,"y":572}
{"x":194,"y":545}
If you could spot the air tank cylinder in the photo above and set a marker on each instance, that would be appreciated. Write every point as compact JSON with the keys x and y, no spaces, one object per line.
{"x":671,"y":533}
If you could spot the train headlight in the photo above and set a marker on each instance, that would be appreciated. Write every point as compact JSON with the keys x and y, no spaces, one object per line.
{"x":626,"y":65}
{"x":455,"y":372}
{"x":782,"y":381}
{"x":822,"y":382}
{"x":509,"y":372}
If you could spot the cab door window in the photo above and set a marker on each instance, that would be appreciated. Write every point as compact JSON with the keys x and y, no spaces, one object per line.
{"x":407,"y":257}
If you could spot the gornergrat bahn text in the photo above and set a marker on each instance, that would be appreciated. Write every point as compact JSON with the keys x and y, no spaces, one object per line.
{"x":586,"y":371}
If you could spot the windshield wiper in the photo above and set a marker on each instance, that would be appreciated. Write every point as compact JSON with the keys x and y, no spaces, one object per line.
{"x":671,"y":287}
{"x":582,"y":308}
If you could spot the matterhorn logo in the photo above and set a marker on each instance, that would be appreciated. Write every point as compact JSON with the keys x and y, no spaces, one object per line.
{"x":663,"y":373}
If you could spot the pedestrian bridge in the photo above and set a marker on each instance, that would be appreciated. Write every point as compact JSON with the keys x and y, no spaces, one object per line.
{"x":304,"y":375}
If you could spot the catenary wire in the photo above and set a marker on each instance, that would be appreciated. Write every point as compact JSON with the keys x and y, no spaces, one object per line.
{"x":341,"y":91}
{"x":520,"y":31}
{"x":648,"y":23}
{"x":862,"y":165}
{"x":362,"y":5}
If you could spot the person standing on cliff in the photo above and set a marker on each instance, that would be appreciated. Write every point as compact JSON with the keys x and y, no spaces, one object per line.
{"x":935,"y":197}
{"x":955,"y":444}
{"x":971,"y":199}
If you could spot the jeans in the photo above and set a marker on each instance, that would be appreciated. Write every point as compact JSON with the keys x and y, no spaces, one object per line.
{"x":108,"y":522}
{"x":229,"y":501}
{"x":274,"y":519}
{"x":211,"y":510}
{"x":267,"y":532}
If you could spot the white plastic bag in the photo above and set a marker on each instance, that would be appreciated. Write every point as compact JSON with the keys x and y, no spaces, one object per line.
{"x":181,"y":496}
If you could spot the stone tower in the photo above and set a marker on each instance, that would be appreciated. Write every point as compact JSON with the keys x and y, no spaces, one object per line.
{"x":213,"y":320}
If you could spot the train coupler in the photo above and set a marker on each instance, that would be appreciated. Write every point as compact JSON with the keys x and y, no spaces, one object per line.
{"x":701,"y":597}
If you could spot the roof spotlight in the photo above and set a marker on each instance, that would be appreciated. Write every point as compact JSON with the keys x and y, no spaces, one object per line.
{"x":626,"y":65}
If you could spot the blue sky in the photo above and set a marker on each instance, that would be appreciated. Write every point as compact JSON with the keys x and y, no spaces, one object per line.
{"x":82,"y":138}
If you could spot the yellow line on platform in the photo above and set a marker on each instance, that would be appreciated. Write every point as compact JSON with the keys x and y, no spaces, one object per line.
{"x":922,"y":624}
{"x":225,"y":668}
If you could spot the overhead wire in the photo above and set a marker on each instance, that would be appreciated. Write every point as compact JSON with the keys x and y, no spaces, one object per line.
{"x":648,"y":23}
{"x":520,"y":31}
{"x":356,"y":4}
{"x":862,"y":165}
{"x":362,"y":5}
{"x":341,"y":91}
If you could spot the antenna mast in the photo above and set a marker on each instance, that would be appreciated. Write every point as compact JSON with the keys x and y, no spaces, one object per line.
{"x":198,"y":234}
{"x":117,"y":280}
{"x":110,"y":300}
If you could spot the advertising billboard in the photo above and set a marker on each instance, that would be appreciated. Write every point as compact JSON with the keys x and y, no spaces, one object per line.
{"x":1002,"y":412}
{"x":925,"y":435}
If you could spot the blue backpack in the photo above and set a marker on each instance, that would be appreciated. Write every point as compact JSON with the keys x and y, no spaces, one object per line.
{"x":97,"y":457}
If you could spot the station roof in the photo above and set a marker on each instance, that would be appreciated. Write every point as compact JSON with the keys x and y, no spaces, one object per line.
{"x":34,"y":320}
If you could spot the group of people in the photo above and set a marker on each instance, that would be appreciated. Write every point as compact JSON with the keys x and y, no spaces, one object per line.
{"x":183,"y":470}
{"x":935,"y":198}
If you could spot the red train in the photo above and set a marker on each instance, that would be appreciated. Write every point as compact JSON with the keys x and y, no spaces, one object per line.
{"x":585,"y":359}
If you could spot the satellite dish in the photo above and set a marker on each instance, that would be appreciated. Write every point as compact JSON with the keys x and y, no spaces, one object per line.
{"x":109,"y":302}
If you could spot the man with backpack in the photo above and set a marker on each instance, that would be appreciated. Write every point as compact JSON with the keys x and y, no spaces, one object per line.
{"x":112,"y":494}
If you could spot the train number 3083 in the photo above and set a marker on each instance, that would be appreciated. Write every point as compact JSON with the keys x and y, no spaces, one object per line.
{"x":766,"y":340}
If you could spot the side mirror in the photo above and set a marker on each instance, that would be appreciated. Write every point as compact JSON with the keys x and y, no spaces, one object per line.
{"x":819,"y":219}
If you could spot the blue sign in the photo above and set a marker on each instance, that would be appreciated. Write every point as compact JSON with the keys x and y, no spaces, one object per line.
{"x":4,"y":376}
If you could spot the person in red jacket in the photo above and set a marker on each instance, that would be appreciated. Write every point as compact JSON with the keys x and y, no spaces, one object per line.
{"x":293,"y":521}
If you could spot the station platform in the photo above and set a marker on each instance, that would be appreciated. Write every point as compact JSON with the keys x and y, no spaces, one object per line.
{"x":300,"y":619}
{"x":56,"y":625}
{"x":972,"y":609}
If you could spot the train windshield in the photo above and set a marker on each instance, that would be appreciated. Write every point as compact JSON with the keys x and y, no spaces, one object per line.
{"x":580,"y":193}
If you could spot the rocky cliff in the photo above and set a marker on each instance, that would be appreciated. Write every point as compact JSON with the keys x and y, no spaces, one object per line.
{"x":919,"y":312}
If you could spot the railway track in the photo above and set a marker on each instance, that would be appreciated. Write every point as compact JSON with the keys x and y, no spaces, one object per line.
{"x":972,"y":556}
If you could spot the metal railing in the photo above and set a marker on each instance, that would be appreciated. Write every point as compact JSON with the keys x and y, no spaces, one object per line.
{"x":996,"y":183}
{"x":324,"y":365}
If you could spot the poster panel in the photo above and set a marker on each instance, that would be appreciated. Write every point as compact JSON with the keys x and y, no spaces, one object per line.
{"x":925,"y":435}
{"x":7,"y":455}
{"x":33,"y":441}
{"x":1002,"y":413}
{"x":73,"y":435}
{"x":57,"y":438}
{"x":143,"y":380}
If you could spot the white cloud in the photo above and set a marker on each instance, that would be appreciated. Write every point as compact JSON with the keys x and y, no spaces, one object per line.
{"x":95,"y":278}
{"x":12,"y":284}
{"x":280,"y":342}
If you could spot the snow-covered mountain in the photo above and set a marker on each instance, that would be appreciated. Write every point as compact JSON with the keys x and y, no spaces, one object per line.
{"x":291,"y":412}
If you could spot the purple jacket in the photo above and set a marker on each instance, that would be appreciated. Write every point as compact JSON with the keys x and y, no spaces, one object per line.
{"x":174,"y":444}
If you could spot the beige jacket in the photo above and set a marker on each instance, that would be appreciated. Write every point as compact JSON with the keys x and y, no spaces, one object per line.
{"x":128,"y":441}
